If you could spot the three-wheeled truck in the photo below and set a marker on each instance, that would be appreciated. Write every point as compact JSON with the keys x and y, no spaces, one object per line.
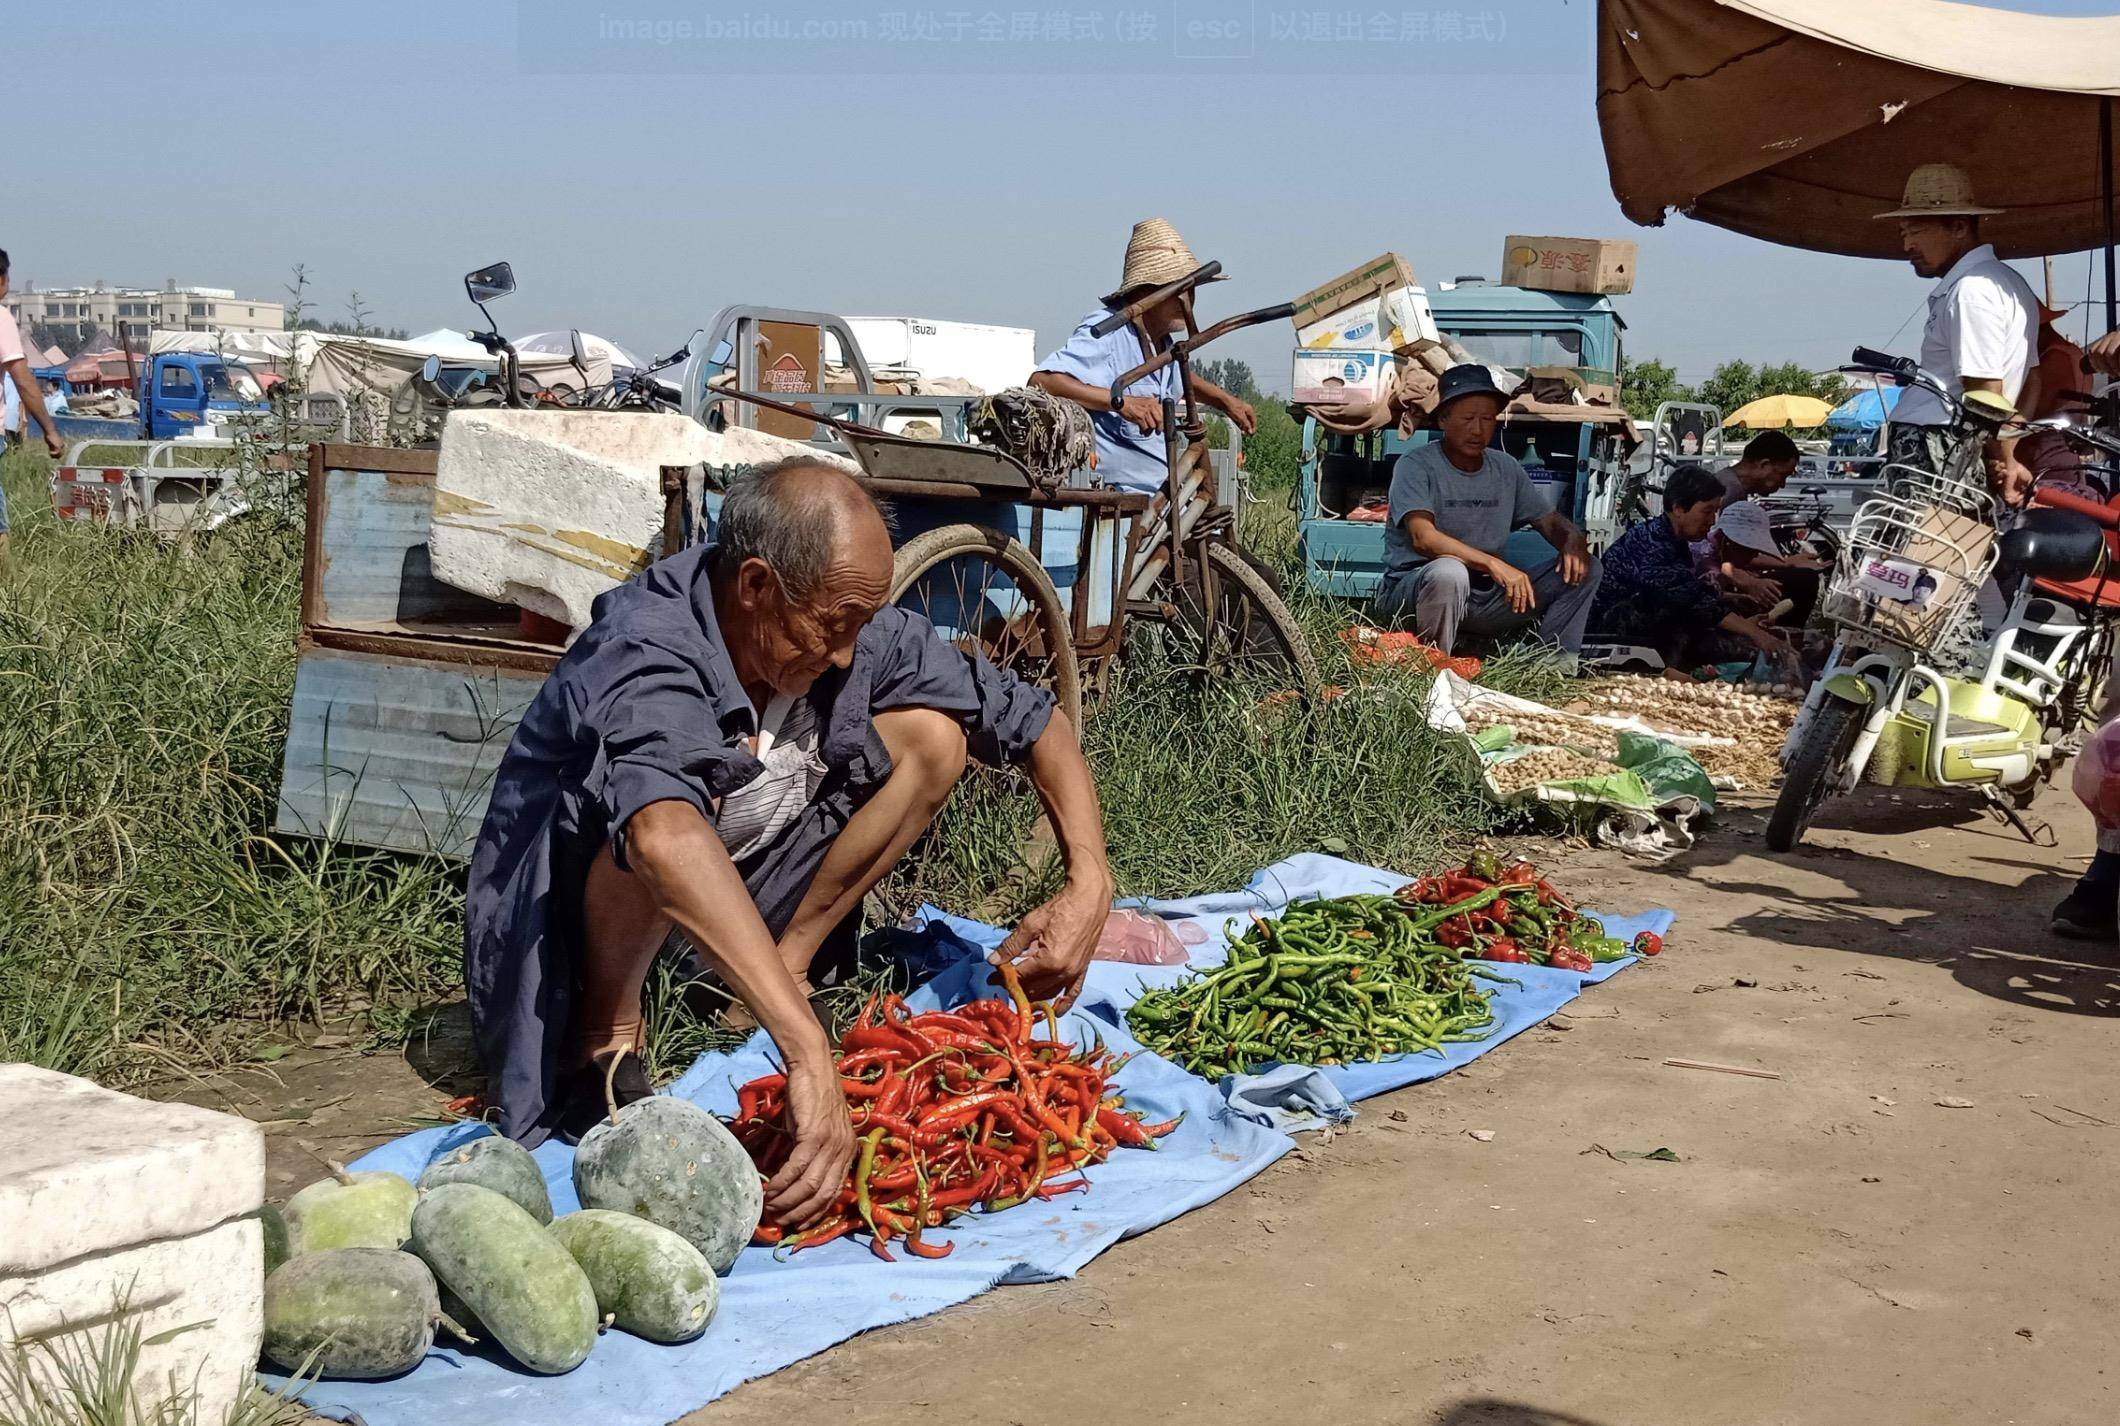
{"x":407,"y":689}
{"x":1578,"y":452}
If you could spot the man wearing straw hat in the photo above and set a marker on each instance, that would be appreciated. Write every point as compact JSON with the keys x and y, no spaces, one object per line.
{"x":1129,"y":423}
{"x":1983,"y":324}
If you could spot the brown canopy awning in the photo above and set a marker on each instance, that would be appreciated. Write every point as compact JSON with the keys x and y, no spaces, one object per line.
{"x":1797,"y":121}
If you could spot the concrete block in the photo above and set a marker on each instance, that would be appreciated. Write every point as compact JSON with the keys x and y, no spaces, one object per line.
{"x":210,"y":1285}
{"x":108,"y":1202}
{"x":546,"y":510}
{"x":85,"y":1169}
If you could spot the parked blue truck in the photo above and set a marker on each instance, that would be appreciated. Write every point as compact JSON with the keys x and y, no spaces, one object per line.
{"x":1580,"y":460}
{"x":178,"y":393}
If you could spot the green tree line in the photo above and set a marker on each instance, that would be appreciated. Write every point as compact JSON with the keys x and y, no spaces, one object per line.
{"x":1645,"y":385}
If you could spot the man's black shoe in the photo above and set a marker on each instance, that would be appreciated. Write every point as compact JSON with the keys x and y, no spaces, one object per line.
{"x":582,"y":1092}
{"x":2089,"y":913}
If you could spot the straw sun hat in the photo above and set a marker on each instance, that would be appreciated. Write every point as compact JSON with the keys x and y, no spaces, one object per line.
{"x":1155,"y":254}
{"x":1938,"y":190}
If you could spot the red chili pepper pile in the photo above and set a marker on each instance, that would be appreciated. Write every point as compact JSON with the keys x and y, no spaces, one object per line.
{"x":1513,"y":914}
{"x":954,"y":1110}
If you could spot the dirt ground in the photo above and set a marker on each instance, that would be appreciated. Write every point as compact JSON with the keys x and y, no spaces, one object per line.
{"x":1914,"y":1224}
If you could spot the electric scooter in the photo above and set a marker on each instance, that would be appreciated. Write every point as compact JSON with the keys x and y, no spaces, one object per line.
{"x":1911,"y":695}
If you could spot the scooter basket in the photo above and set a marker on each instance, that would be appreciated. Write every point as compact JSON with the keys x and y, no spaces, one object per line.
{"x":1909,"y":572}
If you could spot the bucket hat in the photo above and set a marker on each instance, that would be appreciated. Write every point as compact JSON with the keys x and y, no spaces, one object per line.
{"x":1467,"y":379}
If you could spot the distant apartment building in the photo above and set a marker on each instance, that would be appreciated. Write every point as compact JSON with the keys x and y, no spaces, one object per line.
{"x":133,"y":313}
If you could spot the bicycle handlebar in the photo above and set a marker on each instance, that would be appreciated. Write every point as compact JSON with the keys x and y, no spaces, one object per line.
{"x":1204,"y":273}
{"x":1193,"y":343}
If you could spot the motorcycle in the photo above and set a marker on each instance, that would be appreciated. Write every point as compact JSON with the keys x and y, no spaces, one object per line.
{"x":1906,"y":698}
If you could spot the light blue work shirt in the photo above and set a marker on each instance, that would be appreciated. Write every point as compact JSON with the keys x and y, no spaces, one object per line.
{"x":1128,"y":458}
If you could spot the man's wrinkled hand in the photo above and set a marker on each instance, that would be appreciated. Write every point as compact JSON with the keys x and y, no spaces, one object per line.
{"x":1144,"y":411}
{"x":2104,"y":354}
{"x":54,"y":444}
{"x":1241,"y":415}
{"x":2012,"y":479}
{"x":824,"y":1145}
{"x":1516,"y":586}
{"x":1051,"y":947}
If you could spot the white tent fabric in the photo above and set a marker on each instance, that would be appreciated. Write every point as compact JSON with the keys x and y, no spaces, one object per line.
{"x":599,"y":348}
{"x":342,"y":365}
{"x":2070,"y":54}
{"x":452,"y":346}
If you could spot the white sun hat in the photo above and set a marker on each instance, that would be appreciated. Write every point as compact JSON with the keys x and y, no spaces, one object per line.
{"x":1747,"y":525}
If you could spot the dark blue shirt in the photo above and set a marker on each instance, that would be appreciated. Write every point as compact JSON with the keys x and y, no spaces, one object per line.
{"x":647,"y":707}
{"x":1650,"y":592}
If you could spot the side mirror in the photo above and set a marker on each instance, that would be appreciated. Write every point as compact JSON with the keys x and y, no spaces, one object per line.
{"x":431,"y":370}
{"x":490,"y":282}
{"x":578,"y":349}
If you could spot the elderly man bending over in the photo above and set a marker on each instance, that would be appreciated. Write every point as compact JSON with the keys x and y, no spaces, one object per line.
{"x":1453,"y":504}
{"x":741,"y":743}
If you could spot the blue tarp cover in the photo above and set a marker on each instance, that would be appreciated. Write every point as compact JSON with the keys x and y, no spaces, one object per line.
{"x":773,"y":1313}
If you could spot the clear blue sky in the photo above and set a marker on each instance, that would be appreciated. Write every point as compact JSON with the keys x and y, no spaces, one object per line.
{"x":638,"y":184}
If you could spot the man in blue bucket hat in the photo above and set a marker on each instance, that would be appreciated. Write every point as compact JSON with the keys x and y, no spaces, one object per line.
{"x":1453,"y":504}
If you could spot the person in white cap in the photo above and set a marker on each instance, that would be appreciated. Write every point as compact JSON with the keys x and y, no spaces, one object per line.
{"x":1743,"y":555}
{"x":1087,"y":367}
{"x":1983,"y":324}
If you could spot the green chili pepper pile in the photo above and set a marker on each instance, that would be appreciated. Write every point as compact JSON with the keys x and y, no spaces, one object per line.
{"x":1511,"y":914}
{"x":1329,"y":982}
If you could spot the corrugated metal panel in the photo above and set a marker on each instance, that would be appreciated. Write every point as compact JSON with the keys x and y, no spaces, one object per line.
{"x":375,"y":567}
{"x":397,"y":753}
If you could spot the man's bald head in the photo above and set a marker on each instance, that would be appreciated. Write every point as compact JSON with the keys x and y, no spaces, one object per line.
{"x":804,"y":518}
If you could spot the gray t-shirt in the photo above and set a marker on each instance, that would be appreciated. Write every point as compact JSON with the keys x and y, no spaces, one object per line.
{"x":1479,"y":509}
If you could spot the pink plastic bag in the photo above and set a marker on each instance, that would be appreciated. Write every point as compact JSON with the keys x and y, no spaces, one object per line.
{"x":1132,"y":938}
{"x":2096,"y":781}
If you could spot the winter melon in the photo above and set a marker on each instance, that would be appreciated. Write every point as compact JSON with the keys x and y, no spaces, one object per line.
{"x":671,"y":1162}
{"x":528,"y":1292}
{"x":273,"y":1227}
{"x":647,"y":1280}
{"x":357,"y":1313}
{"x":350,"y":1210}
{"x":498,"y":1163}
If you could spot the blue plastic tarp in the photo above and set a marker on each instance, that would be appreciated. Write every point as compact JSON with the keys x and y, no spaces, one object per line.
{"x":773,"y":1314}
{"x":1543,"y":990}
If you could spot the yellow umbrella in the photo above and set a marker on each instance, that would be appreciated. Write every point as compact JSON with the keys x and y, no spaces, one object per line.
{"x":1773,"y":413}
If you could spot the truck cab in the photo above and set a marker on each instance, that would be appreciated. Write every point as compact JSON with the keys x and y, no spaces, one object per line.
{"x":1577,"y":457}
{"x":182,"y":392}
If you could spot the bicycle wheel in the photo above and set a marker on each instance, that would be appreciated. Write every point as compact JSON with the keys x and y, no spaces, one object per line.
{"x":982,"y":590}
{"x":1814,"y":766}
{"x":1231,"y":624}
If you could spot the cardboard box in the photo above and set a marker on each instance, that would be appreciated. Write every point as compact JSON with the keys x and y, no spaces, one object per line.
{"x":1329,"y":378}
{"x":1377,"y":275}
{"x":1603,"y":265}
{"x":1375,"y":307}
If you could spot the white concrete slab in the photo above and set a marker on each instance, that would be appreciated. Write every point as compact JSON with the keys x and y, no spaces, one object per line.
{"x":546,"y":510}
{"x":85,"y":1169}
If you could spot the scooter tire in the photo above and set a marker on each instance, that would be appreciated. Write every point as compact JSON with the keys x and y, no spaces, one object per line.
{"x":1813,"y":768}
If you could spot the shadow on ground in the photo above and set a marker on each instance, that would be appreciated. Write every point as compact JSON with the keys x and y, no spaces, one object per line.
{"x":1991,"y":932}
